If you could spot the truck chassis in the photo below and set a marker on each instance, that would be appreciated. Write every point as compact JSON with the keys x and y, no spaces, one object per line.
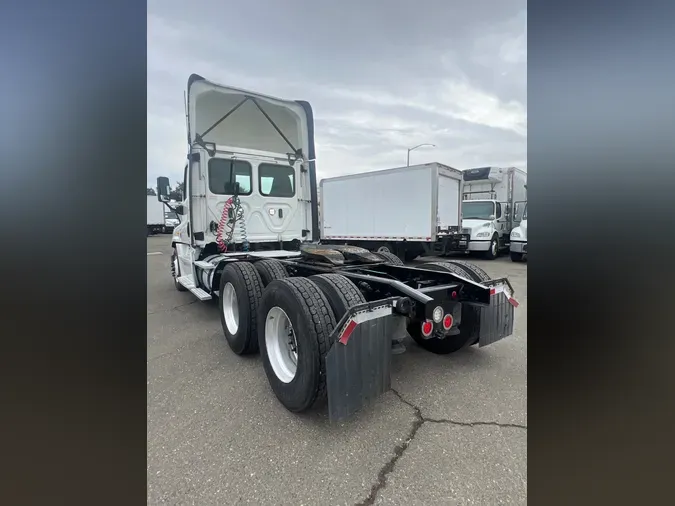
{"x":328,"y":318}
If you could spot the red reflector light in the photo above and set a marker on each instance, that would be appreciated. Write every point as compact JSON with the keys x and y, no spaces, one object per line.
{"x":427,"y":328}
{"x":453,"y":295}
{"x":346,"y":334}
{"x":447,"y":322}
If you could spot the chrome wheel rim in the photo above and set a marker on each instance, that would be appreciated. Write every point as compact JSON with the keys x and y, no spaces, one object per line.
{"x":230,"y":308}
{"x":494,"y":247}
{"x":281,"y":344}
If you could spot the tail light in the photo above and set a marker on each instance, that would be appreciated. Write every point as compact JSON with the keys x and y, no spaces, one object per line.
{"x":427,"y":328}
{"x":447,"y":322}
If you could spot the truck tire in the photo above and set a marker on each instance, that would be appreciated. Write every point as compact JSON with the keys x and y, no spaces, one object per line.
{"x":239,"y":297}
{"x":175,"y":272}
{"x":516,"y":257}
{"x":443,"y":345}
{"x":270,"y":270}
{"x":340,"y":292}
{"x":294,"y":356}
{"x":479,"y":274}
{"x":390,"y":258}
{"x":493,"y":252}
{"x":385,"y":248}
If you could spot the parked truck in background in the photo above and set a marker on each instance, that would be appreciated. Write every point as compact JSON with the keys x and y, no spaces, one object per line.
{"x":519,"y":237}
{"x":155,"y":215}
{"x":406,"y":211}
{"x":326,"y":318}
{"x":171,"y":219}
{"x":490,"y":194}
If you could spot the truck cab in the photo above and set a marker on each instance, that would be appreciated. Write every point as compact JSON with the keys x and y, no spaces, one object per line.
{"x":519,"y":239}
{"x":489,"y":200}
{"x":488,"y":223}
{"x":249,"y":155}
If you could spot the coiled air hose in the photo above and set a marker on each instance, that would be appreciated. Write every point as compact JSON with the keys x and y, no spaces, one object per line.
{"x":227,"y":224}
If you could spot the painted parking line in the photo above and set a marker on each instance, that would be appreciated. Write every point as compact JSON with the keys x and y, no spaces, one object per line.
{"x":155,"y":253}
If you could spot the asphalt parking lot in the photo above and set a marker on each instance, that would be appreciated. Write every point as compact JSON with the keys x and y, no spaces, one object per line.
{"x":452,"y":431}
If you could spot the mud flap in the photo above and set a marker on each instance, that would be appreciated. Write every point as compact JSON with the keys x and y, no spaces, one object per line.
{"x":358,"y":366}
{"x":496,"y":320}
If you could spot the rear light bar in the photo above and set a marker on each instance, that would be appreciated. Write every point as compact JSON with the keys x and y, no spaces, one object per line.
{"x":428,"y":325}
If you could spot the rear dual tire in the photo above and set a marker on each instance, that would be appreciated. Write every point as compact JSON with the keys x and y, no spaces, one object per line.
{"x":239,"y":297}
{"x":390,"y":258}
{"x":297,"y":376}
{"x":289,"y":320}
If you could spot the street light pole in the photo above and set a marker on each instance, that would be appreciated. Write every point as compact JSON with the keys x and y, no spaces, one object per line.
{"x":418,"y":146}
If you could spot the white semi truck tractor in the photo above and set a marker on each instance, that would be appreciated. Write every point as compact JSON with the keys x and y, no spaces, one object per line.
{"x":325,"y":318}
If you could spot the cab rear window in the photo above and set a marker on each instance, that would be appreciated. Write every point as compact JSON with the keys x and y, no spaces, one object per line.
{"x":276,"y":180}
{"x":223,"y":173}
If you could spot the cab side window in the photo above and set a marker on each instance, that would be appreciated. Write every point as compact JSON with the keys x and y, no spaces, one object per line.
{"x":498,"y":214}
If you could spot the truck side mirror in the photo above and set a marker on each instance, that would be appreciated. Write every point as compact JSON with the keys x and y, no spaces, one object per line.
{"x":180,"y":210}
{"x":163,"y":189}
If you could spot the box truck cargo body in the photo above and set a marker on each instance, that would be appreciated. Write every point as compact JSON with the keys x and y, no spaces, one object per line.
{"x":155,"y":215}
{"x":408,"y":211}
{"x":492,"y":197}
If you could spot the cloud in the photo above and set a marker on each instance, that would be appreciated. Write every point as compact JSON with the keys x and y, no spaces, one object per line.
{"x":379,"y":79}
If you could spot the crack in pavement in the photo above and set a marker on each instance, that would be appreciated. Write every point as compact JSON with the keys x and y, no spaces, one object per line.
{"x":420,"y":420}
{"x":172,"y":308}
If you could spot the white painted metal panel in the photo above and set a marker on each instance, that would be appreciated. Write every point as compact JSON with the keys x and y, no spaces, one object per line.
{"x":155,"y":211}
{"x":393,"y":204}
{"x":448,"y":201}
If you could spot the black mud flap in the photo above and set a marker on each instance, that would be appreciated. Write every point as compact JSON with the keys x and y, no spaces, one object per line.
{"x":496,"y":320}
{"x":358,"y":365}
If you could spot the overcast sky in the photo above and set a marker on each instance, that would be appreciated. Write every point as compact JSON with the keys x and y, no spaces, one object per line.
{"x":381,"y":76}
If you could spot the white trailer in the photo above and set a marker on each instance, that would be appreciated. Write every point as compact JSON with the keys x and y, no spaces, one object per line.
{"x":407,"y":211}
{"x":491,"y":195}
{"x":155,"y":215}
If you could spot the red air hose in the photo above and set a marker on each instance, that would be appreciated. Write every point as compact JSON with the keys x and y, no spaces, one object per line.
{"x":222,"y":245}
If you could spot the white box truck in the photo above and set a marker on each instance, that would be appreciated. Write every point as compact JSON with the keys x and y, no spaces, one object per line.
{"x":406,"y":211}
{"x":489,"y":200}
{"x":155,"y":215}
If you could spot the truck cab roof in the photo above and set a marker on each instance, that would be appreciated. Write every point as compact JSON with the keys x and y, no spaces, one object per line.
{"x":263,"y":123}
